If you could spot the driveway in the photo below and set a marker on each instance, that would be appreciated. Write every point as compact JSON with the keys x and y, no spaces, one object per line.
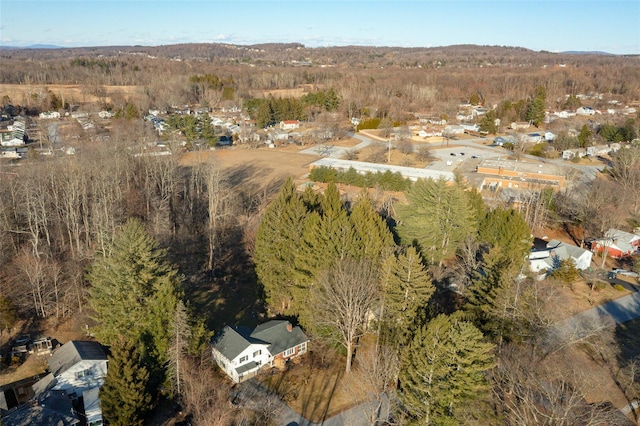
{"x":592,"y":321}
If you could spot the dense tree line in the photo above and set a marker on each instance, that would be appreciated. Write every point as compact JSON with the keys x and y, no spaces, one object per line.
{"x":309,"y":257}
{"x":388,"y":180}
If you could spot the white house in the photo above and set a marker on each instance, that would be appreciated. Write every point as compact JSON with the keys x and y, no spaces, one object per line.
{"x":50,"y":114}
{"x":78,"y":366}
{"x":289,"y":124}
{"x":92,"y":409}
{"x":585,"y":110}
{"x":453,"y":130}
{"x":240,"y":351}
{"x":520,"y":125}
{"x":556,"y":251}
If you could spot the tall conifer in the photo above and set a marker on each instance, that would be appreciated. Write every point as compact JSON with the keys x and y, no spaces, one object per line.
{"x":442,"y":369}
{"x":124,"y":397}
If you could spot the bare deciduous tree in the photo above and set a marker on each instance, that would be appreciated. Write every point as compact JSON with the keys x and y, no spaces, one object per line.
{"x":531,"y":392}
{"x":374,"y":380}
{"x":345,"y":298}
{"x":205,"y":394}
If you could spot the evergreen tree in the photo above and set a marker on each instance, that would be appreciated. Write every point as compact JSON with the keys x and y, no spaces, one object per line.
{"x":132,"y":286}
{"x":507,"y":229}
{"x":584,"y":138}
{"x":438,"y":218}
{"x":8,"y":315}
{"x":407,"y":287}
{"x":134,"y":294}
{"x":278,"y":239}
{"x":443,"y":369}
{"x":124,"y":397}
{"x":373,"y":239}
{"x":489,"y":298}
{"x":328,"y":237}
{"x":488,"y":122}
{"x":535,"y":107}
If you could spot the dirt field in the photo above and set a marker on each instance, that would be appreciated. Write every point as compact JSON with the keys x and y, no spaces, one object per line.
{"x":257,"y":167}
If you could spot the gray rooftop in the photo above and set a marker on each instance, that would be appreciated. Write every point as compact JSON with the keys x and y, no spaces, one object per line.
{"x":233,"y":340}
{"x":54,"y":410}
{"x":73,"y":352}
{"x":564,"y":250}
{"x":280,"y":334}
{"x":273,"y":334}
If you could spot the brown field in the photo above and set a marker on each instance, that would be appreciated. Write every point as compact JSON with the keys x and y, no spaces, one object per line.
{"x":23,"y":94}
{"x":260,"y":167}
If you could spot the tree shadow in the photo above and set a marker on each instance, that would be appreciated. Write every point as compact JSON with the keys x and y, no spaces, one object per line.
{"x":627,"y":339}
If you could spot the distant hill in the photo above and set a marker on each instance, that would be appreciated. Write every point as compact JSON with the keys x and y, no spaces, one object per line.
{"x":587,"y":52}
{"x":33,"y":46}
{"x":293,"y":54}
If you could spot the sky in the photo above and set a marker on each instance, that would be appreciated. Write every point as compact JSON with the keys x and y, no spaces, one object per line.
{"x":555,"y":26}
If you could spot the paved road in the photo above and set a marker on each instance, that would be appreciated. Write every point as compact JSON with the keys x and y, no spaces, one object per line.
{"x":332,"y":151}
{"x":252,"y":393}
{"x":595,"y":319}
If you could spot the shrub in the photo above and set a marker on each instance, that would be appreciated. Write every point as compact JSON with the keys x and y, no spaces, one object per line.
{"x":370,"y":123}
{"x":599,"y":286}
{"x":619,"y":287}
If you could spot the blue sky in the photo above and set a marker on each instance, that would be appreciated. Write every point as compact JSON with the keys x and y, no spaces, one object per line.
{"x":611,"y":26}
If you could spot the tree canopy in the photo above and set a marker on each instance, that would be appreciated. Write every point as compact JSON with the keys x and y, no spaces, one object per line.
{"x":443,"y":368}
{"x":437,"y":219}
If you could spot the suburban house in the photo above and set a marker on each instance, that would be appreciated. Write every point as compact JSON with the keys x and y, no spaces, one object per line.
{"x":78,"y":366}
{"x":77,"y":370}
{"x":241,"y":352}
{"x":15,"y":134}
{"x":520,"y":125}
{"x":289,"y":124}
{"x":585,"y":110}
{"x":546,"y":256}
{"x":618,"y":244}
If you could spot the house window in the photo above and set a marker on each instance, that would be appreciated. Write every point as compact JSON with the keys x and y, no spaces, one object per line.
{"x":289,"y":352}
{"x":84,"y":373}
{"x":244,"y":359}
{"x":256,"y":353}
{"x":302,"y":347}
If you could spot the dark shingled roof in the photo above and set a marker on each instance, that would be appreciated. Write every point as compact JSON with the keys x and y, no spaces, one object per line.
{"x":233,"y":340}
{"x":277,"y":333}
{"x":69,"y":354}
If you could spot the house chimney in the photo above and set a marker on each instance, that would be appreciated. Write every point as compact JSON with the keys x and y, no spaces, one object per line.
{"x":289,"y":327}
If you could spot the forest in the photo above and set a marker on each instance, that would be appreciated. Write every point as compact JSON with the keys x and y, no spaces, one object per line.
{"x":422,"y":295}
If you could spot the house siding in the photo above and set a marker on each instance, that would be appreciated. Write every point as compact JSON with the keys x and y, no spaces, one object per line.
{"x":71,"y":383}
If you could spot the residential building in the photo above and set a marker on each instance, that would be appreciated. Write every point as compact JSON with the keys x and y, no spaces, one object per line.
{"x":547,"y":256}
{"x":241,"y":352}
{"x":289,"y":124}
{"x":78,"y":366}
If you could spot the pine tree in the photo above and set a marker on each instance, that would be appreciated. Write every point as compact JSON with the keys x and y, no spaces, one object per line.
{"x":130,"y":284}
{"x":443,"y":369}
{"x":489,"y":299}
{"x":124,"y":397}
{"x":277,"y":242}
{"x":134,"y":295}
{"x":507,"y":229}
{"x":437,"y":219}
{"x":373,"y":239}
{"x":407,"y":287}
{"x":327,"y":238}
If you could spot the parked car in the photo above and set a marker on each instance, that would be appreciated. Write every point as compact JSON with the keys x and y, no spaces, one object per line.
{"x":625,"y":272}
